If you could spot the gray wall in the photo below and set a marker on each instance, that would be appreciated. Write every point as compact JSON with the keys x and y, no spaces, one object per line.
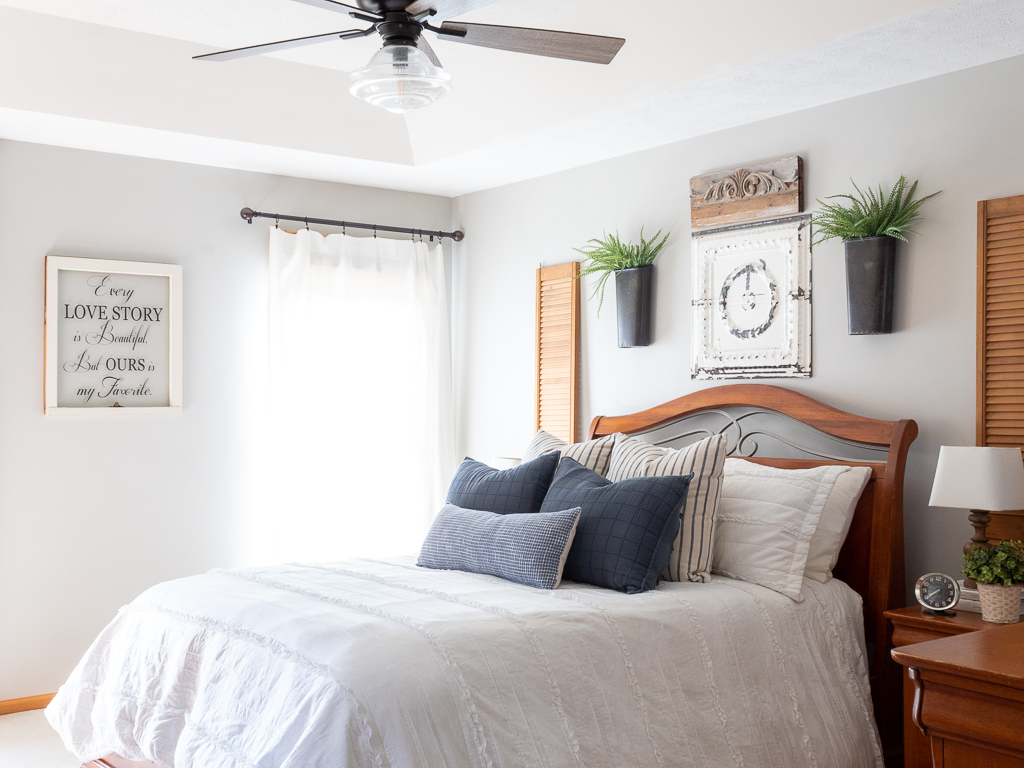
{"x":94,"y":511}
{"x":960,"y":133}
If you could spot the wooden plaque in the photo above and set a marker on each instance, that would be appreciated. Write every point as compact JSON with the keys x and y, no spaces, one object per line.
{"x":756,"y":191}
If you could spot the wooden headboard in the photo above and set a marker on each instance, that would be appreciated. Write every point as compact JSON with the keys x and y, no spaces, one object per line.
{"x":871,"y":560}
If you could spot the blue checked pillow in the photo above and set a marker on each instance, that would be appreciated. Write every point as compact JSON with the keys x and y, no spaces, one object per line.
{"x":626,"y":530}
{"x":528,"y":549}
{"x":693,"y":549}
{"x":507,"y":491}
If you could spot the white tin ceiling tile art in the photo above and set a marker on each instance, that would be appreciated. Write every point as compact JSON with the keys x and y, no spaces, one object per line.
{"x":752,"y":301}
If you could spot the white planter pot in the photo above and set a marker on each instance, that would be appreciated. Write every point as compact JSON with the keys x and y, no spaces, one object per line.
{"x":999,"y":604}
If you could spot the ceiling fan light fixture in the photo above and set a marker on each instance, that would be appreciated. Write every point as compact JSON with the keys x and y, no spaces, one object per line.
{"x":400,"y":78}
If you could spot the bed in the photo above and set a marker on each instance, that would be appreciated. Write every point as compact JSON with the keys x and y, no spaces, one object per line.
{"x":381,"y":663}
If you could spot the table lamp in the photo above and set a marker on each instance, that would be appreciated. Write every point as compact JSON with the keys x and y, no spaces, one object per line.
{"x":982,"y":480}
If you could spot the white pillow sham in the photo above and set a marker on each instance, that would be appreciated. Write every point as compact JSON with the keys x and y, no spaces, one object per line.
{"x":766,"y":520}
{"x":835,"y":523}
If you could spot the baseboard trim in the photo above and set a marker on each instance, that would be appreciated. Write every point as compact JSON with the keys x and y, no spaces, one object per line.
{"x":27,"y":704}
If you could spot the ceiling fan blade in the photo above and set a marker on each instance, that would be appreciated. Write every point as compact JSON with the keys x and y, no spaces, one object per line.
{"x":446,"y":9}
{"x":332,"y":5}
{"x":424,"y":46}
{"x":281,"y":45}
{"x":540,"y":42}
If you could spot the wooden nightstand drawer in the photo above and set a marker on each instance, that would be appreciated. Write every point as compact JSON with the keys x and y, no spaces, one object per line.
{"x":953,"y":754}
{"x":974,"y":711}
{"x":903,"y":635}
{"x":911,"y":625}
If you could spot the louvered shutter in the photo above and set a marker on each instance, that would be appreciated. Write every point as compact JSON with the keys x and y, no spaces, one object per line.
{"x":558,"y":346}
{"x":1000,"y":388}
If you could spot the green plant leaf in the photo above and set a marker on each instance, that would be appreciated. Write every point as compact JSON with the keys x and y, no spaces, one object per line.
{"x":1002,"y":564}
{"x":609,"y":254}
{"x":869,"y":213}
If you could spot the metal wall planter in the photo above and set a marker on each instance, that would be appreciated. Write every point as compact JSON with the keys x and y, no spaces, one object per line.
{"x":634,"y":293}
{"x":870,"y":284}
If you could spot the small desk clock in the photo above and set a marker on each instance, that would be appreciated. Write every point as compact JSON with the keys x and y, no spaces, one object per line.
{"x":938,"y":593}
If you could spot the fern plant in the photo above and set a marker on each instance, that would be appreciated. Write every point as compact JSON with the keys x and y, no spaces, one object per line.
{"x":871,"y":214}
{"x":609,"y":255}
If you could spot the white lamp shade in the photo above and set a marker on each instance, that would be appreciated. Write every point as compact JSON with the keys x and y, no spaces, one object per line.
{"x":505,"y":462}
{"x":989,"y":479}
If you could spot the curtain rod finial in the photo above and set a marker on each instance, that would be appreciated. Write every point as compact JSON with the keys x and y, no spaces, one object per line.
{"x":457,"y":235}
{"x":247,"y":214}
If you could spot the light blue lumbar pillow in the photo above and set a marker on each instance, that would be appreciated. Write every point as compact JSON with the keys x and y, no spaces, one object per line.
{"x":528,"y":549}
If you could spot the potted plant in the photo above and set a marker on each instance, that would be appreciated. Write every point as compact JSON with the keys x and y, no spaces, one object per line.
{"x":999,"y":572}
{"x":870,"y":225}
{"x":633,"y":267}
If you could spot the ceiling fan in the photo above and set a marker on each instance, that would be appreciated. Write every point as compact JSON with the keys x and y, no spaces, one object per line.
{"x":406,"y":73}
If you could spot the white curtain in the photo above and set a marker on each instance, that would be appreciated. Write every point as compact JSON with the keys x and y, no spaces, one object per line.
{"x":362,"y":435}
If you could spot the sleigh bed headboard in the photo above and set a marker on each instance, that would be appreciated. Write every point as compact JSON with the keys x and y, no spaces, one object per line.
{"x":871,"y":560}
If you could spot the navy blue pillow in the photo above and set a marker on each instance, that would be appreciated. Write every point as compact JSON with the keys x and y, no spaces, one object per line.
{"x":626,"y":530}
{"x":519,"y":490}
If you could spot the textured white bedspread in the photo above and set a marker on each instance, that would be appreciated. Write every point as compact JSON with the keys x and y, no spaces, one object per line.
{"x":368,"y":663}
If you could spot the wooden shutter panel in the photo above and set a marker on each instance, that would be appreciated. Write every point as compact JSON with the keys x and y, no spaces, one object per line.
{"x":558,"y":348}
{"x":1000,"y":414}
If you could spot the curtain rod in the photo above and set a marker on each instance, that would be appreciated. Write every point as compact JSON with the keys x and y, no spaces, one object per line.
{"x":249,"y":214}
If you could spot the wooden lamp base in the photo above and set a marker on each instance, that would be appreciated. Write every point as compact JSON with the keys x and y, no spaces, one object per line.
{"x":980,"y":520}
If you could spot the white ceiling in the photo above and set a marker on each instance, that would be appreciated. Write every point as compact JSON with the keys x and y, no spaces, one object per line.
{"x":117,"y":75}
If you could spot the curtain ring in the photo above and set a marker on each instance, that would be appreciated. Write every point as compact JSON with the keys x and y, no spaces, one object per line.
{"x":344,"y":229}
{"x":375,"y":231}
{"x":307,"y":223}
{"x":277,"y":222}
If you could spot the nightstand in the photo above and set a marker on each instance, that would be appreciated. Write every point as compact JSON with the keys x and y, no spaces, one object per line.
{"x":969,"y":697}
{"x":910,"y":626}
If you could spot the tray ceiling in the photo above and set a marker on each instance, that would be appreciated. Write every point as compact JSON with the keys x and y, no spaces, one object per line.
{"x":116,"y":75}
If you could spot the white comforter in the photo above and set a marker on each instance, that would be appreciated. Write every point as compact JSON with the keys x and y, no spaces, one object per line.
{"x":380,"y":664}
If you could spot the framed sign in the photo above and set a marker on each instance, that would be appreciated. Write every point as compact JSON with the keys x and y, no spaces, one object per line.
{"x":112,"y":336}
{"x":752,"y":301}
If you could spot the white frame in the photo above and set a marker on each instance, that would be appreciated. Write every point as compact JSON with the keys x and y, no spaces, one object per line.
{"x":172,"y":272}
{"x":751,"y":358}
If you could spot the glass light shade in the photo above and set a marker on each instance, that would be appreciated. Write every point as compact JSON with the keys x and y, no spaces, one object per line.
{"x":400,"y":78}
{"x":989,"y":479}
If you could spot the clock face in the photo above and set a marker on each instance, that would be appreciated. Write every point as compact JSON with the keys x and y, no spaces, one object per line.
{"x":748,"y":300}
{"x":937,"y":591}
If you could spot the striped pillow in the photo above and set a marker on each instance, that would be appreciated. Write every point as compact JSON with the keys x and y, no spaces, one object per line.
{"x":691,"y":553}
{"x":593,"y":454}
